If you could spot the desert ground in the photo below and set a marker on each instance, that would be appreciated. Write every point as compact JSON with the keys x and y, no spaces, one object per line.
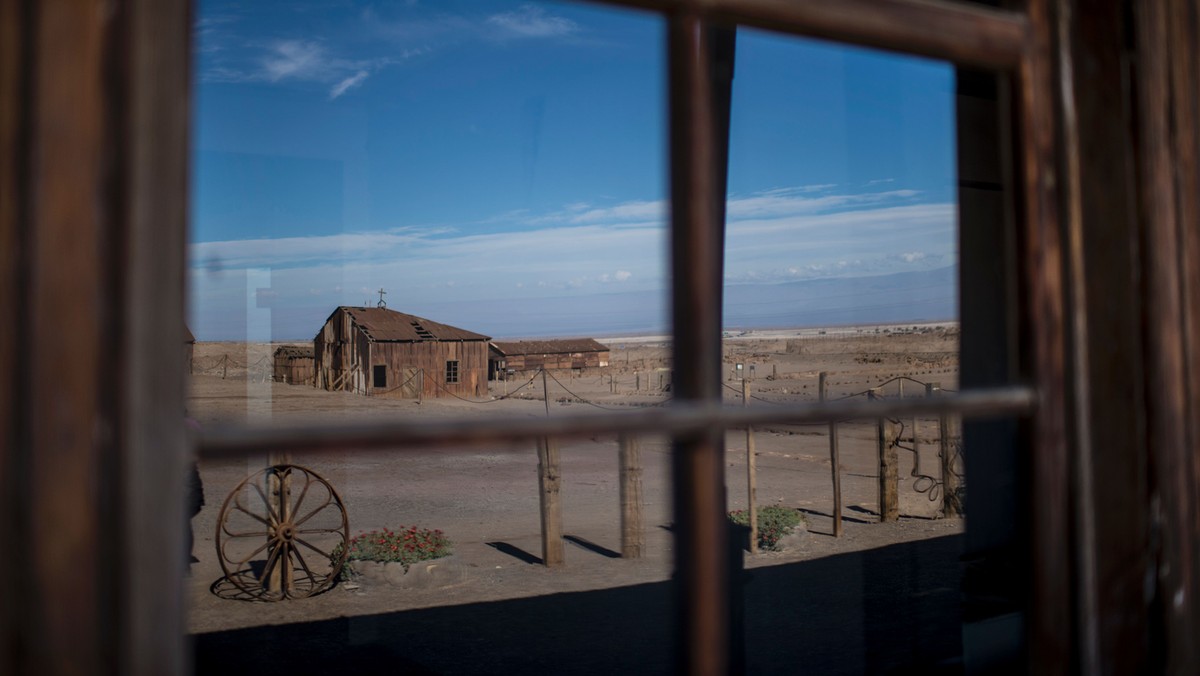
{"x":882,"y":597}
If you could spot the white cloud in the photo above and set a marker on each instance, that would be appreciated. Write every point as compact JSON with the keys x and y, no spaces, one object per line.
{"x":787,"y":235}
{"x":786,"y":201}
{"x":347,"y":84}
{"x":640,"y":210}
{"x":282,"y":61}
{"x":294,"y":59}
{"x":530,"y":21}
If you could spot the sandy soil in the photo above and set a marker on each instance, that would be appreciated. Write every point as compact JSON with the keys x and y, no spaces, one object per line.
{"x":486,"y":500}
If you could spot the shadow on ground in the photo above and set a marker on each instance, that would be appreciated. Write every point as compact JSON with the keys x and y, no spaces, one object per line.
{"x":889,"y":610}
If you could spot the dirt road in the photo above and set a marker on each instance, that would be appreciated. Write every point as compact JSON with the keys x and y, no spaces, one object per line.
{"x":502,"y":612}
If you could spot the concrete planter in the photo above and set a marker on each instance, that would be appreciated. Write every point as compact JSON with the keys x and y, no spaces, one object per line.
{"x":421,"y":575}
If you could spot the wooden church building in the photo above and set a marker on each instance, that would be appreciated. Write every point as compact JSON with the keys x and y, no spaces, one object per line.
{"x":381,"y":352}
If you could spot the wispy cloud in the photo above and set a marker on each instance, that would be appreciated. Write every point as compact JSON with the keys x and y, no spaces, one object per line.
{"x":347,"y":84}
{"x":304,"y":61}
{"x":605,"y":246}
{"x":531,"y":21}
{"x":366,"y":42}
{"x":295,"y":59}
{"x":870,"y":235}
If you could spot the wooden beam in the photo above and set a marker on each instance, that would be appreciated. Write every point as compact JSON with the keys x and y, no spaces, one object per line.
{"x":549,"y":487}
{"x":14,"y":169}
{"x":961,"y":32}
{"x":154,"y":458}
{"x":69,"y":349}
{"x":1045,"y":361}
{"x":633,"y":535}
{"x":751,"y":478}
{"x":889,"y":475}
{"x":702,"y":571}
{"x":680,"y":419}
{"x":835,"y":461}
{"x":1163,"y":92}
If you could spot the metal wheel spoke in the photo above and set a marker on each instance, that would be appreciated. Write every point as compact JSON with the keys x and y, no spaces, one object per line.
{"x":273,"y":558}
{"x":252,"y":515}
{"x":248,"y":534}
{"x":311,"y":514}
{"x":318,"y":531}
{"x":304,"y":492}
{"x":306,"y":544}
{"x":275,"y":518}
{"x":304,"y":565}
{"x":252,"y":554}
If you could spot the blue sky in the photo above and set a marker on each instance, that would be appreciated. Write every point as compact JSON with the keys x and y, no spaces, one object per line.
{"x":502,"y":165}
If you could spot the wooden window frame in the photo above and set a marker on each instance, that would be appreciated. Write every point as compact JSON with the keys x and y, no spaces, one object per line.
{"x":93,"y":143}
{"x":451,"y":371}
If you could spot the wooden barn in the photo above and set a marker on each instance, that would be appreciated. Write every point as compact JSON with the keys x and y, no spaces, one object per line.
{"x":527,"y":355}
{"x":381,"y":352}
{"x":294,"y":365}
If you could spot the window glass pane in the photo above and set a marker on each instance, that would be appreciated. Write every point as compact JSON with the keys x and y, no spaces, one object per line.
{"x":841,"y":267}
{"x":428,"y":211}
{"x":404,"y":185}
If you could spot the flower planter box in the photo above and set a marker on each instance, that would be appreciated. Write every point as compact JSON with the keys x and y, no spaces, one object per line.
{"x":421,"y":575}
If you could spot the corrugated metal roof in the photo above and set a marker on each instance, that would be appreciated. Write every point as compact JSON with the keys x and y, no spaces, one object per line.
{"x":384,"y":325}
{"x":567,"y":346}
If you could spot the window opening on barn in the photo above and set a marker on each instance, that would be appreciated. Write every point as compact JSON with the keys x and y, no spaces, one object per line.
{"x":452,"y":371}
{"x":379,"y":376}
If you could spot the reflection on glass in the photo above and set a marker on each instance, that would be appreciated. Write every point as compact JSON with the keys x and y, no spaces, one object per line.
{"x":458,"y":211}
{"x":382,"y":190}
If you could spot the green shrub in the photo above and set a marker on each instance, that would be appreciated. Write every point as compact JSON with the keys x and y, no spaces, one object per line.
{"x":405,"y":545}
{"x":774,"y":522}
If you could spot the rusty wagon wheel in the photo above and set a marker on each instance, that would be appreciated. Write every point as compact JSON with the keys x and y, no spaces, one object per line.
{"x":282,"y":534}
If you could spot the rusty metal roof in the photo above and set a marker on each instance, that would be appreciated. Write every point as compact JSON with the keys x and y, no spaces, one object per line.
{"x":566,"y":346}
{"x":384,"y":325}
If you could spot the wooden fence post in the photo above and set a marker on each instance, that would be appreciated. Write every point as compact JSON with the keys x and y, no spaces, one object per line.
{"x":834,"y":460}
{"x":751,"y":483}
{"x":951,"y":506}
{"x":545,"y":392}
{"x":279,"y":488}
{"x":632,"y":536}
{"x":889,"y":478}
{"x":549,"y":482}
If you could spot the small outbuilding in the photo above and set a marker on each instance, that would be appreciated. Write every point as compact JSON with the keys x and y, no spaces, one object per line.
{"x":527,"y":355}
{"x":294,"y":365}
{"x":381,"y":352}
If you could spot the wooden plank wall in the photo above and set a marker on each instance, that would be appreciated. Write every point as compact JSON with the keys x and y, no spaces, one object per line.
{"x":294,"y":370}
{"x":472,"y":357}
{"x":576,"y":360}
